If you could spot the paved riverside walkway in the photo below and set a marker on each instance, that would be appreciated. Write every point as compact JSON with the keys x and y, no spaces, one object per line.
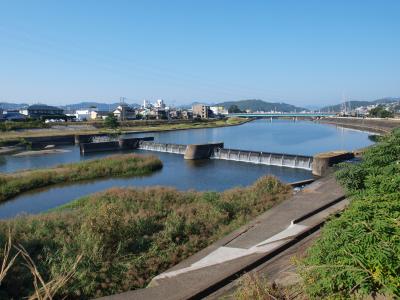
{"x":272,"y":232}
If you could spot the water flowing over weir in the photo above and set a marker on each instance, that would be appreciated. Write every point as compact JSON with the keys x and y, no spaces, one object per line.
{"x":161,"y":147}
{"x":265,"y":158}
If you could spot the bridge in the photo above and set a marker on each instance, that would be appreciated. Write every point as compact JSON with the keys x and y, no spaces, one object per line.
{"x":276,"y":115}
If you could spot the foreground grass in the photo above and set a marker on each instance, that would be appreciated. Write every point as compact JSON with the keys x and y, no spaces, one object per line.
{"x":358,"y":254}
{"x":253,"y":286}
{"x":126,"y":236}
{"x":116,"y":165}
{"x":128,"y":127}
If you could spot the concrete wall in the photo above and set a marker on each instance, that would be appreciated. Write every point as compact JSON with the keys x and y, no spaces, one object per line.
{"x":323,"y":161}
{"x":43,"y":141}
{"x":201,"y":151}
{"x":121,"y":144}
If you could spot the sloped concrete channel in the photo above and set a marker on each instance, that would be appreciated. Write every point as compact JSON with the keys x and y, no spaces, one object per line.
{"x":254,"y":244}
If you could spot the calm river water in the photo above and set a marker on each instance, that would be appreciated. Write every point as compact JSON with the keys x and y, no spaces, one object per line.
{"x":301,"y":137}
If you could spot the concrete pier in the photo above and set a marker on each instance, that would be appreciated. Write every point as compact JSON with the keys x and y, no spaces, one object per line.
{"x":323,"y":161}
{"x":201,"y":151}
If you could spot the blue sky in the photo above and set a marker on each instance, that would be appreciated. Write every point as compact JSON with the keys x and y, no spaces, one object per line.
{"x":300,"y":52}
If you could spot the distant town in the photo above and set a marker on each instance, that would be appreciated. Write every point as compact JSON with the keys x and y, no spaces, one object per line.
{"x":160,"y":110}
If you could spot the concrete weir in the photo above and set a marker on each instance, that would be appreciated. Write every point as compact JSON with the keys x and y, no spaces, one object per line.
{"x":317,"y":164}
{"x":265,"y":158}
{"x":161,"y":147}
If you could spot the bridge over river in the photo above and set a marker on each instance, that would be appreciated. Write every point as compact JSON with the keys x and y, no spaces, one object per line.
{"x":277,"y":115}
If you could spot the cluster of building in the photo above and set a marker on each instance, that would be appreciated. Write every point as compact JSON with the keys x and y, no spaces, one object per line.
{"x":123,"y":112}
{"x":365,"y":110}
{"x":36,"y":111}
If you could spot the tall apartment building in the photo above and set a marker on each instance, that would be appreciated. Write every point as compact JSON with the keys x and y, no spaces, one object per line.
{"x":201,"y":111}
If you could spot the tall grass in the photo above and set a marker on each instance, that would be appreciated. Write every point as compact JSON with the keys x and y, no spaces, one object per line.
{"x":253,"y":286}
{"x":127,"y":236}
{"x":116,"y":165}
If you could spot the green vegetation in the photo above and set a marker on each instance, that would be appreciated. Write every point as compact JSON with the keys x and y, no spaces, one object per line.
{"x":111,"y":121}
{"x":358,"y":254}
{"x":380,"y":112}
{"x":29,"y":124}
{"x":123,"y":237}
{"x":115,"y":165}
{"x":260,"y":105}
{"x":234,"y":109}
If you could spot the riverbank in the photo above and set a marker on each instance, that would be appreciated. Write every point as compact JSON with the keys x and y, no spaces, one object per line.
{"x":124,"y":236}
{"x":375,"y":125}
{"x":14,"y":184}
{"x":358,"y":252}
{"x":17,"y":136}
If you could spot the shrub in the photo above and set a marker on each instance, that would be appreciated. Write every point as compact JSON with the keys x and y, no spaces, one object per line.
{"x":358,"y":253}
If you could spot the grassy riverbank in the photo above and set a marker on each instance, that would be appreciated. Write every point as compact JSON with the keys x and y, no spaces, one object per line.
{"x":116,"y":165}
{"x":126,"y":236}
{"x":135,"y":127}
{"x":358,"y":254}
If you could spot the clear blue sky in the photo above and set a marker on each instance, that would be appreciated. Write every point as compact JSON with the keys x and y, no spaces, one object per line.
{"x":300,"y":52}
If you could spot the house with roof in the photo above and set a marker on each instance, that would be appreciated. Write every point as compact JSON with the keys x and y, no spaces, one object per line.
{"x":41,"y":111}
{"x":124,"y":112}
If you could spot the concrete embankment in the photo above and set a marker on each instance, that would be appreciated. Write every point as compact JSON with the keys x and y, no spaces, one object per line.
{"x":254,"y":244}
{"x":367,"y":124}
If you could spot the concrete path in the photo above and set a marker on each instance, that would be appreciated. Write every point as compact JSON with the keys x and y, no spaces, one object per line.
{"x":252,"y":245}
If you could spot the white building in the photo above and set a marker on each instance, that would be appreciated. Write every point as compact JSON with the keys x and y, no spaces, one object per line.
{"x":159,"y":104}
{"x":83,"y":114}
{"x":124,"y":112}
{"x":219,"y":110}
{"x":146,"y":104}
{"x":23,"y":111}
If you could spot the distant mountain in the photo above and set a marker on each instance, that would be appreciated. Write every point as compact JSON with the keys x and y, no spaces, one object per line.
{"x":69,"y":107}
{"x":100,"y":106}
{"x":189,"y":106}
{"x":260,"y":105}
{"x":12,"y":106}
{"x":355,"y":104}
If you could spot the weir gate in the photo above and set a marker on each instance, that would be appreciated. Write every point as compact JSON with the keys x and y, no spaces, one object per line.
{"x":216,"y":151}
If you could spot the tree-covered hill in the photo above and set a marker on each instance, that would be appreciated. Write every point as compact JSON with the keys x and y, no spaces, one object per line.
{"x":260,"y":105}
{"x":355,"y":104}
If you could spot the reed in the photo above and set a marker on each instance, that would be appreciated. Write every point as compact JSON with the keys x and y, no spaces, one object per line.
{"x":126,"y":236}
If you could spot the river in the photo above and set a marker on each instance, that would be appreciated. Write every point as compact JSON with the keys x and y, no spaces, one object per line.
{"x":282,"y":136}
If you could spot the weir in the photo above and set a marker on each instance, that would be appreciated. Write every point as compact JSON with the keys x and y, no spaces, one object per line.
{"x":264,"y":158}
{"x":161,"y":147}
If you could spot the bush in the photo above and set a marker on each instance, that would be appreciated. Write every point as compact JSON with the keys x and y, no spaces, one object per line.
{"x":358,"y":254}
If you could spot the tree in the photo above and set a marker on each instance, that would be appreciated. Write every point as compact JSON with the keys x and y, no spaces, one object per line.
{"x":234,"y":109}
{"x":380,"y":112}
{"x":111,"y":121}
